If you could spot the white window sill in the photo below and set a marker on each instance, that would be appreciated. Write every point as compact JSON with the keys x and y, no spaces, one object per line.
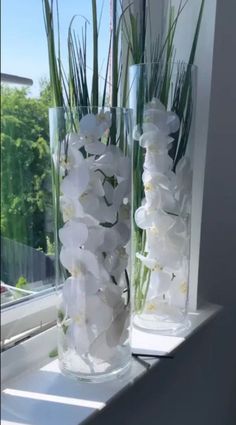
{"x":34,"y":392}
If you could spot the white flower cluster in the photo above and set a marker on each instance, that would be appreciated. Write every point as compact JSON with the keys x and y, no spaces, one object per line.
{"x":95,"y":199}
{"x":164,"y":212}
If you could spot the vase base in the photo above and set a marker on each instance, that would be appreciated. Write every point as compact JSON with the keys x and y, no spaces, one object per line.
{"x":161,"y":324}
{"x":92,"y":377}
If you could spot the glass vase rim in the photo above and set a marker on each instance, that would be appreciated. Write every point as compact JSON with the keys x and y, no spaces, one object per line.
{"x":66,"y":108}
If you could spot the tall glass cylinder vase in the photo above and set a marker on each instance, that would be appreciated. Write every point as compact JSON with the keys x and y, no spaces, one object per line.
{"x":91,"y":164}
{"x":163,"y":98}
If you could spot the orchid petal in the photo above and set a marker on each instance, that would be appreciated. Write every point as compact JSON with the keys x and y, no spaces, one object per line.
{"x":76,"y":182}
{"x":88,"y":125}
{"x":116,"y":329}
{"x":95,"y":148}
{"x":144,"y":217}
{"x":105,"y":213}
{"x":110,"y":240}
{"x":79,"y":262}
{"x":120,"y":192}
{"x":70,"y":208}
{"x":109,"y":191}
{"x":90,"y":203}
{"x":95,"y":238}
{"x":149,"y":262}
{"x":98,"y":313}
{"x":73,"y":234}
{"x":75,"y":140}
{"x":161,"y":280}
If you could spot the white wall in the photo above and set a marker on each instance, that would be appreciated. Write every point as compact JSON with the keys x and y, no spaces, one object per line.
{"x":218,"y":244}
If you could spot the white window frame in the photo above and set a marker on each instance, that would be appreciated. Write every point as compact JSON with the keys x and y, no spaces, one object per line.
{"x":28,"y":315}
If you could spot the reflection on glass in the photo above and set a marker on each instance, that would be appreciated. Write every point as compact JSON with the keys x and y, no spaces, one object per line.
{"x":27,"y":245}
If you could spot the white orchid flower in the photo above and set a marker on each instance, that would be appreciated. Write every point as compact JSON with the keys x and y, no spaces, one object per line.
{"x":70,"y":208}
{"x":94,"y":304}
{"x":109,"y":192}
{"x":178,"y":291}
{"x":112,"y":296}
{"x":90,"y":203}
{"x":105,"y":164}
{"x":178,"y":235}
{"x":76,"y":181}
{"x":115,"y":237}
{"x":118,"y":331}
{"x":165,"y":253}
{"x":147,"y":218}
{"x":155,"y":103}
{"x":78,"y":335}
{"x":155,"y":141}
{"x":83,"y":309}
{"x":144,"y":217}
{"x":123,"y":169}
{"x":73,"y":234}
{"x":79,"y":338}
{"x":123,"y":231}
{"x":161,"y":163}
{"x":160,"y":279}
{"x":82,"y":275}
{"x":95,"y":238}
{"x":161,"y":224}
{"x":104,"y":347}
{"x":74,"y":298}
{"x":184,"y":184}
{"x":146,"y":127}
{"x":95,"y":185}
{"x":93,"y":197}
{"x":116,"y":263}
{"x":167,"y":121}
{"x":72,"y":158}
{"x":157,"y":191}
{"x":106,"y":213}
{"x":121,"y":192}
{"x":91,"y":129}
{"x":79,"y":262}
{"x":158,"y":179}
{"x":86,"y":333}
{"x":114,"y":163}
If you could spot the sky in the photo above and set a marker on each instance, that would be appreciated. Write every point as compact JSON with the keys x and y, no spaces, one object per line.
{"x":23,"y":39}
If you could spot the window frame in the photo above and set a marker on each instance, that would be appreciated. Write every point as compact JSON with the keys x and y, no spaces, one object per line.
{"x":28,"y":314}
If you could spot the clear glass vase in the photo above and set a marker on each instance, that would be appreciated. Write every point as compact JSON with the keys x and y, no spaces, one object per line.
{"x":162,"y":96}
{"x":91,"y":164}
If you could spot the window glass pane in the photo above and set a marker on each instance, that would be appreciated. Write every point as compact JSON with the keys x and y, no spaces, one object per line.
{"x":27,"y":245}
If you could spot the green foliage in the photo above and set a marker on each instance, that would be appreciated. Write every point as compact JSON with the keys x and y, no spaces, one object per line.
{"x":53,"y":353}
{"x":50,"y":246}
{"x":25,"y":166}
{"x":21,"y":283}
